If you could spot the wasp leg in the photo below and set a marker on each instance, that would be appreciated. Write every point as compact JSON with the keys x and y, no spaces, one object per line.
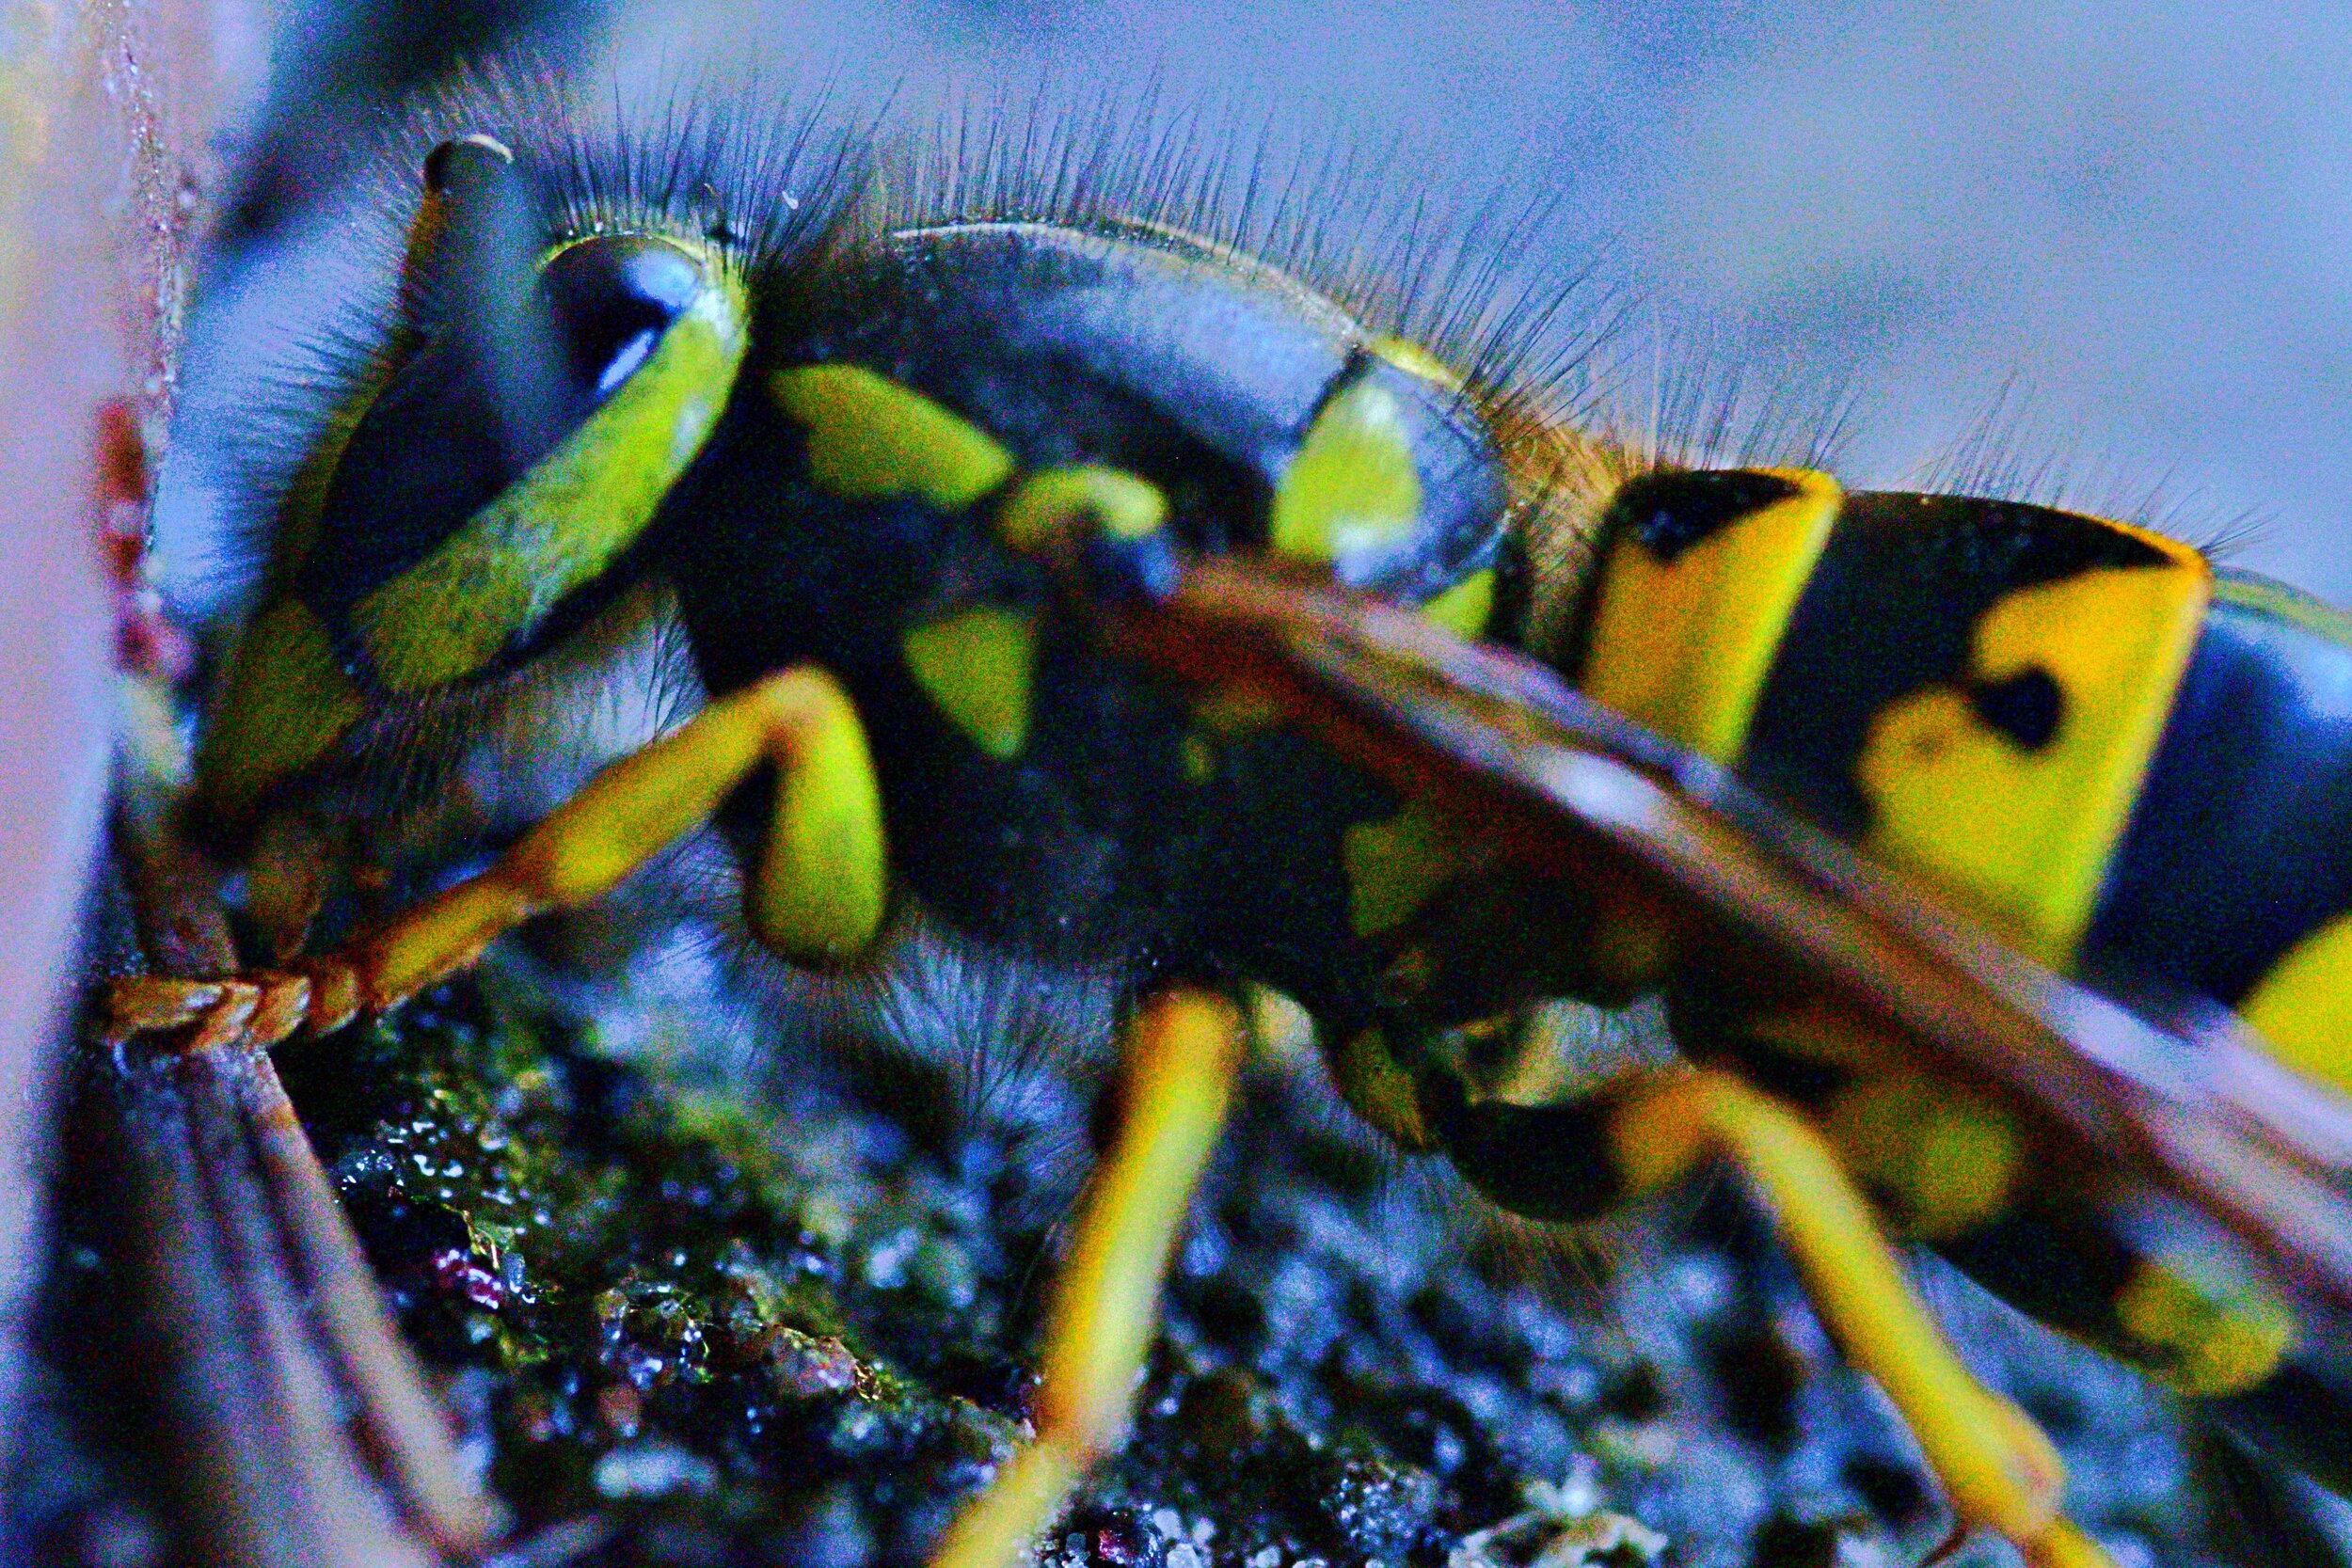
{"x":267,"y":1008}
{"x":1181,"y":1053}
{"x":1644,"y":1130}
{"x":816,"y":894}
{"x":2184,"y":1312}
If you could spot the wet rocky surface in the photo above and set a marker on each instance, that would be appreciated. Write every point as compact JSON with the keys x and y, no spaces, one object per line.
{"x":785,"y":1317}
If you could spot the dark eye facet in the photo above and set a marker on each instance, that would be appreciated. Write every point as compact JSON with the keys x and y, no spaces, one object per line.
{"x":610,"y":300}
{"x":511,"y":374}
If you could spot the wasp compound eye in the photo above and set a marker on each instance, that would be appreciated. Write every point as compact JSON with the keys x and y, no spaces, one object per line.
{"x":610,"y":300}
{"x":514,"y":455}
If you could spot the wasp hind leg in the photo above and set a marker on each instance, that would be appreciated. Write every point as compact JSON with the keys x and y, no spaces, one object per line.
{"x":817,"y":892}
{"x":1648,"y":1128}
{"x":1180,"y":1055}
{"x":2183,"y":1309}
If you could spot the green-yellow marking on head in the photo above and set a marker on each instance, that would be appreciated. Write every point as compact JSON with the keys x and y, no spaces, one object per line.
{"x":1413,"y":359}
{"x":1464,"y":609}
{"x":562,"y":523}
{"x":1353,"y":487}
{"x":1394,"y":868}
{"x":287,"y":702}
{"x":1057,"y":501}
{"x":976,"y":665}
{"x":869,"y":437}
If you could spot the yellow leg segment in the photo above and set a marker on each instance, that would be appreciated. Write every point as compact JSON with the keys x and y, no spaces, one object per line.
{"x":1181,"y":1053}
{"x":817,"y":893}
{"x":1999,"y":1472}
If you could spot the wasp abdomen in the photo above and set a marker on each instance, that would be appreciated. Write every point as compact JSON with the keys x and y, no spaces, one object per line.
{"x":1973,"y":690}
{"x":2070,"y":725}
{"x":2235,"y":875}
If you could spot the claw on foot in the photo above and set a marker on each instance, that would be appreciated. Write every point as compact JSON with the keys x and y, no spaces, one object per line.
{"x":263,"y":1008}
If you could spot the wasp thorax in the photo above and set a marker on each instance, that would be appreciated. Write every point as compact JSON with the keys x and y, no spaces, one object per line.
{"x":1267,"y":414}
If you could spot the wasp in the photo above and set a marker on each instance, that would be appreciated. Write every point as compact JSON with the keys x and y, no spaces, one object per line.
{"x":1102,"y":591}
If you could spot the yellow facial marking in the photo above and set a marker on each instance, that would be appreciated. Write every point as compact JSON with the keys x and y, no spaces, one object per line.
{"x":1394,"y":868}
{"x":1465,"y":608}
{"x":287,"y":702}
{"x":1684,"y":646}
{"x":869,"y":437}
{"x":976,"y":666}
{"x":1413,"y":359}
{"x":1946,"y":1155}
{"x":2202,"y":1344}
{"x":1088,"y":496}
{"x":563,"y":523}
{"x":1352,"y":488}
{"x":2025,"y":835}
{"x":2303,"y":1007}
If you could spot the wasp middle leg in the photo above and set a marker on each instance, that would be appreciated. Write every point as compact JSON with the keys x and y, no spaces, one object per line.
{"x":1180,"y":1052}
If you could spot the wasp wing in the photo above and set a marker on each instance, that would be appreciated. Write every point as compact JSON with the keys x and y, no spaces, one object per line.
{"x":2182,"y":1098}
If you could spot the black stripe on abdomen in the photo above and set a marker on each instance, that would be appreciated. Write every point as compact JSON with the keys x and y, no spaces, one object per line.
{"x":2241,"y":843}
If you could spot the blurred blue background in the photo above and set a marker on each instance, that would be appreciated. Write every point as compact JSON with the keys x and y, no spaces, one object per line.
{"x":2113,"y":239}
{"x":2074,"y":249}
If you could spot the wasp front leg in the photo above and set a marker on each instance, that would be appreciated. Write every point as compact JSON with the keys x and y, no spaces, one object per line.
{"x":817,"y":893}
{"x":1648,"y":1128}
{"x":1180,"y":1055}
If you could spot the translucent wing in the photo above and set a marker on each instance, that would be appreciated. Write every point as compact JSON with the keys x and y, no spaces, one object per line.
{"x":2181,"y":1100}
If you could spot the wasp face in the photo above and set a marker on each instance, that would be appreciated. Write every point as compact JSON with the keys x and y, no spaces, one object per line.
{"x":504,"y":448}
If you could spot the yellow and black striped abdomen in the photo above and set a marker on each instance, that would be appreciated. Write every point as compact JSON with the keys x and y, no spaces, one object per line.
{"x":2235,"y":877}
{"x":1973,"y":690}
{"x":2024,"y":707}
{"x":2133,"y":768}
